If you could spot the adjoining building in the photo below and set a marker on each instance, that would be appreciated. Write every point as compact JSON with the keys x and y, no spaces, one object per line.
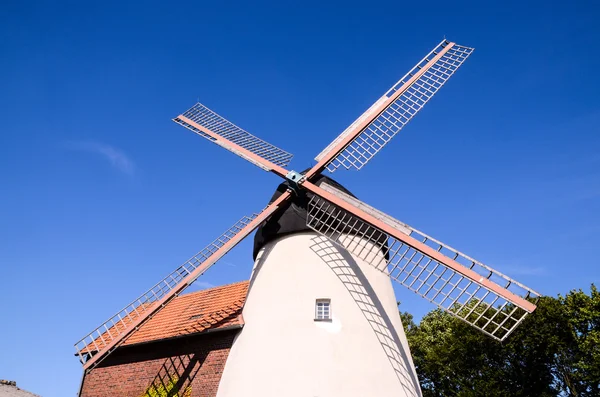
{"x":180,"y":352}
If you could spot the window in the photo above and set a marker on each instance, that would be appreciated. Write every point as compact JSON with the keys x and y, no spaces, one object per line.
{"x":323,"y":310}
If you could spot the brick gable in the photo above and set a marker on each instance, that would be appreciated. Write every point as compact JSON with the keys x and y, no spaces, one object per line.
{"x":191,"y":365}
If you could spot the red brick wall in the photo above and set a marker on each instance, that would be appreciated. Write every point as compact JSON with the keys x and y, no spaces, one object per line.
{"x":194,"y":362}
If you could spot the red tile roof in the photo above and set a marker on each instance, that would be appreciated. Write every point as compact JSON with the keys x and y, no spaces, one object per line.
{"x":192,"y":313}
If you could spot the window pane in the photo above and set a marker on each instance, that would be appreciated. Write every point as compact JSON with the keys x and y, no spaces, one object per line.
{"x":322,"y":309}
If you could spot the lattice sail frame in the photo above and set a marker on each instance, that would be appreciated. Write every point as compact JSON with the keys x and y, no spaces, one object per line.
{"x":117,"y":325}
{"x":401,"y":110}
{"x":453,"y":292}
{"x":224,"y":128}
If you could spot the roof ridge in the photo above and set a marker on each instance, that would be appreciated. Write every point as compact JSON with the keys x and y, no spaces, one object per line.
{"x":217,"y":287}
{"x":14,"y":390}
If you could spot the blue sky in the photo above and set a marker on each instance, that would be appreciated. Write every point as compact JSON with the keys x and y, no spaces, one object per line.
{"x":102,"y":195}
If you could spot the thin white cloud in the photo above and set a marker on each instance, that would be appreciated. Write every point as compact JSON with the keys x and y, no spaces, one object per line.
{"x":529,"y":271}
{"x":227,"y":263}
{"x":117,"y":158}
{"x":523,"y":270}
{"x":203,"y":284}
{"x":523,"y":266}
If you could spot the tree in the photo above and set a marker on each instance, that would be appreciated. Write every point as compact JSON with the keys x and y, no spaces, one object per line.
{"x":554,"y":352}
{"x":580,"y":363}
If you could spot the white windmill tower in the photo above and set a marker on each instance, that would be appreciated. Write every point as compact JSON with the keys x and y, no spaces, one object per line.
{"x":321,"y":316}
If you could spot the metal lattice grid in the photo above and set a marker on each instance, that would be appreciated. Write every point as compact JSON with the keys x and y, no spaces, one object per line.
{"x":210,"y":120}
{"x":463,"y":259}
{"x":121,"y":322}
{"x":400,"y":110}
{"x":453,"y":292}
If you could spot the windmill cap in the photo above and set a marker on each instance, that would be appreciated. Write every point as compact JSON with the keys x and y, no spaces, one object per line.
{"x":291,"y":218}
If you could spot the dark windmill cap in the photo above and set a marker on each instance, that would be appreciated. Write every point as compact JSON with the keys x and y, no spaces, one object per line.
{"x":291,"y":218}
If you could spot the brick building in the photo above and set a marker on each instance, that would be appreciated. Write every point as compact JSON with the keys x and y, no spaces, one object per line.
{"x":180,"y":352}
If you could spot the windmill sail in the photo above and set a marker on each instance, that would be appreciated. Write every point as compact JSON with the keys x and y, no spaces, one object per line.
{"x":221,"y":131}
{"x":99,"y":343}
{"x":477,"y":294}
{"x":354,"y":147}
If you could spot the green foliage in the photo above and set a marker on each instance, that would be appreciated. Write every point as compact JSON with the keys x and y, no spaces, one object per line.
{"x":582,"y":358}
{"x":168,"y":389}
{"x":554,"y":352}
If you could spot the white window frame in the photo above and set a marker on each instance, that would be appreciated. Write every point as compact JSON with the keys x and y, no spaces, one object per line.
{"x":323,"y":310}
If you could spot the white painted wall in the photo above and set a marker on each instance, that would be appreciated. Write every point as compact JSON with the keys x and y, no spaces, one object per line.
{"x":283,"y":352}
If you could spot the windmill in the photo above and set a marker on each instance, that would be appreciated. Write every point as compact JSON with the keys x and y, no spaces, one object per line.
{"x":349,"y":253}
